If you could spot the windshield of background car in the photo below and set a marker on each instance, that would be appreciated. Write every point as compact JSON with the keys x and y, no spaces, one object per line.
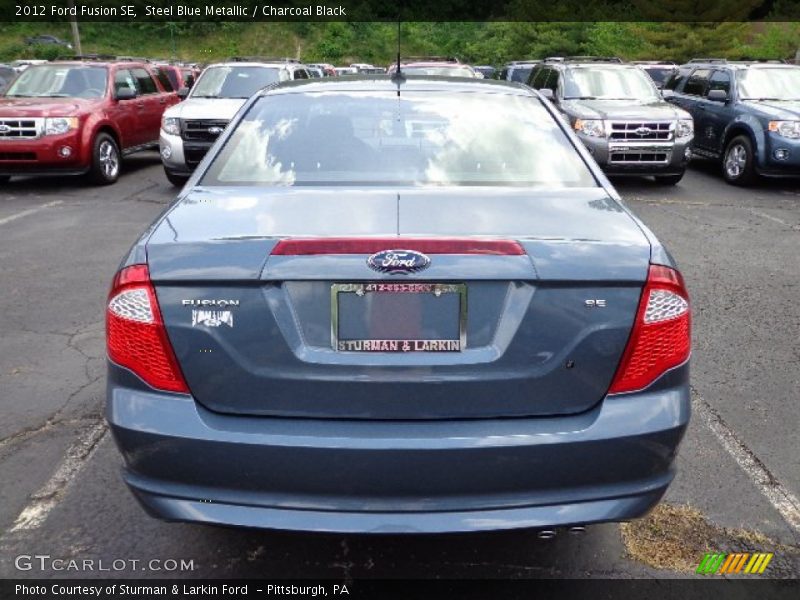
{"x":439,"y":71}
{"x":774,"y":84}
{"x":60,"y":81}
{"x":659,"y":75}
{"x":378,"y":138}
{"x":234,"y":82}
{"x":521,"y":73}
{"x":608,"y":83}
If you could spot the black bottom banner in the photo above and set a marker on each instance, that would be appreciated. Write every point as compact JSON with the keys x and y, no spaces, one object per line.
{"x":683,"y":589}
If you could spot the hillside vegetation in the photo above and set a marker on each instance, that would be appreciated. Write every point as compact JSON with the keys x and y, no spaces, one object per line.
{"x":479,"y":43}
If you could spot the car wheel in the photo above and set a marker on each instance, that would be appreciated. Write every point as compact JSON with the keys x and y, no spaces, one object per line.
{"x":668,"y":179}
{"x":106,"y":160}
{"x":737,"y":163}
{"x":176,"y":180}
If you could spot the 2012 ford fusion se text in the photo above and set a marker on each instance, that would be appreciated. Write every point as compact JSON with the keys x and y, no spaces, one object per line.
{"x":398,"y":305}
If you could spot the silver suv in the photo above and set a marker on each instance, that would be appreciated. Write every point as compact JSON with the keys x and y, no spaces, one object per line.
{"x":619,"y":115}
{"x":190,"y":128}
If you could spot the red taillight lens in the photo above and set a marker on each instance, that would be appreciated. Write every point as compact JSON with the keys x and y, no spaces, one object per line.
{"x":135,"y":333}
{"x":661,"y":336}
{"x":307,"y":246}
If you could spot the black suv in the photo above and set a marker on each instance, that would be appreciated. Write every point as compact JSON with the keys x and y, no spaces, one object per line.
{"x":746,"y":114}
{"x":619,"y":115}
{"x":517,"y":70}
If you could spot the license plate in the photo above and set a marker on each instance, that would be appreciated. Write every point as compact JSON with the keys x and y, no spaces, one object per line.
{"x":398,"y":317}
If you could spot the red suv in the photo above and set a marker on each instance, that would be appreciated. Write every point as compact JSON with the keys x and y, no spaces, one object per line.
{"x":76,"y":117}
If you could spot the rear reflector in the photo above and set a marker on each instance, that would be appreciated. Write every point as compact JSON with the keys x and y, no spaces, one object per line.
{"x":135,"y":333}
{"x":302,"y":247}
{"x":661,"y":336}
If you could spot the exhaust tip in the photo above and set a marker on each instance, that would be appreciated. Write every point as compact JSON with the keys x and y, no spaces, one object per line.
{"x":546,"y":534}
{"x":577,"y":530}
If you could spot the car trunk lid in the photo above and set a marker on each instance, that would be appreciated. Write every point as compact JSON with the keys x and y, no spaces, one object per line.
{"x":542,"y":327}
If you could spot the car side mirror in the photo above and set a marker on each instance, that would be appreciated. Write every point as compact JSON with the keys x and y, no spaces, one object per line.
{"x":547,"y":93}
{"x":183,"y":92}
{"x":125,"y":93}
{"x":667,"y":94}
{"x":718,"y":95}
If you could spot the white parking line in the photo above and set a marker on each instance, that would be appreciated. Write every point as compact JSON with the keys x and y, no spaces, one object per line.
{"x":781,"y":498}
{"x":30,"y":211}
{"x":758,"y":213}
{"x":47,"y":498}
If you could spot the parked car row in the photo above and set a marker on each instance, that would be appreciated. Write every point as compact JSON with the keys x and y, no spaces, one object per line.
{"x":746,"y":113}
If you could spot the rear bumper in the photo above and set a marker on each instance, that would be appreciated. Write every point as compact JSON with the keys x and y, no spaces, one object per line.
{"x":185,"y":463}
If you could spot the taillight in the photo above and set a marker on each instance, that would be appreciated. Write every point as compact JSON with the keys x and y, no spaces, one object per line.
{"x":661,"y":336}
{"x":308,"y":246}
{"x":135,"y":334}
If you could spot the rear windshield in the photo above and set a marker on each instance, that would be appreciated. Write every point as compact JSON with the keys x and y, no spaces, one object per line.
{"x":378,"y":138}
{"x":234,"y":82}
{"x":60,"y":81}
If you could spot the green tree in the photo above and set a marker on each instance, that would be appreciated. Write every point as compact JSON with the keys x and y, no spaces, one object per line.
{"x":777,"y":40}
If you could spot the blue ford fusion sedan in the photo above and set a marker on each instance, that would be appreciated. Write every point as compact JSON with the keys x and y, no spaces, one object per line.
{"x":398,"y":305}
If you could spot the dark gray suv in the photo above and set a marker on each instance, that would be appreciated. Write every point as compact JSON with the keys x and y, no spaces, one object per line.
{"x":619,"y":115}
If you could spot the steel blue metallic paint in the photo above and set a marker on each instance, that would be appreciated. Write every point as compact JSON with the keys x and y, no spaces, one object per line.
{"x":610,"y":463}
{"x":516,"y":431}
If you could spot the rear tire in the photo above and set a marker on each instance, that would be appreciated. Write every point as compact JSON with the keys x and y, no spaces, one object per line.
{"x":106,"y":160}
{"x":668,"y":179}
{"x":738,"y":166}
{"x":176,"y":180}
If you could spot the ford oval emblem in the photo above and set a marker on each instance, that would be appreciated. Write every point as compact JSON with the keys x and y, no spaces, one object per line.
{"x":398,"y":261}
{"x":4,"y":128}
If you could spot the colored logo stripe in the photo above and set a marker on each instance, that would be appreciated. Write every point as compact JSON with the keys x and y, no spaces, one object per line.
{"x":718,"y":562}
{"x":758,"y":563}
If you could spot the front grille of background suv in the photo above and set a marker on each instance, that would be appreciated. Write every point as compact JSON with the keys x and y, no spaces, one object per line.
{"x":648,"y":131}
{"x":628,"y":157}
{"x":197,"y":130}
{"x":20,"y":129}
{"x":194,"y":154}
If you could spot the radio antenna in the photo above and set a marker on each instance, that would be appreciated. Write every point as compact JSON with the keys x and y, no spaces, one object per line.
{"x":398,"y":74}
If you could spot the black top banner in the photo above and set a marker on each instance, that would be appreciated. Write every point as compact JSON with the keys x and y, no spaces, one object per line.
{"x":143,"y":11}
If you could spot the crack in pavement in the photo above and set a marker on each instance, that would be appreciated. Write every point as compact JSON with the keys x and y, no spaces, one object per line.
{"x":55,"y":419}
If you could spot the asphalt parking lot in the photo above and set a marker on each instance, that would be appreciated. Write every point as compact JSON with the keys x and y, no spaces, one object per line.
{"x":61,"y":494}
